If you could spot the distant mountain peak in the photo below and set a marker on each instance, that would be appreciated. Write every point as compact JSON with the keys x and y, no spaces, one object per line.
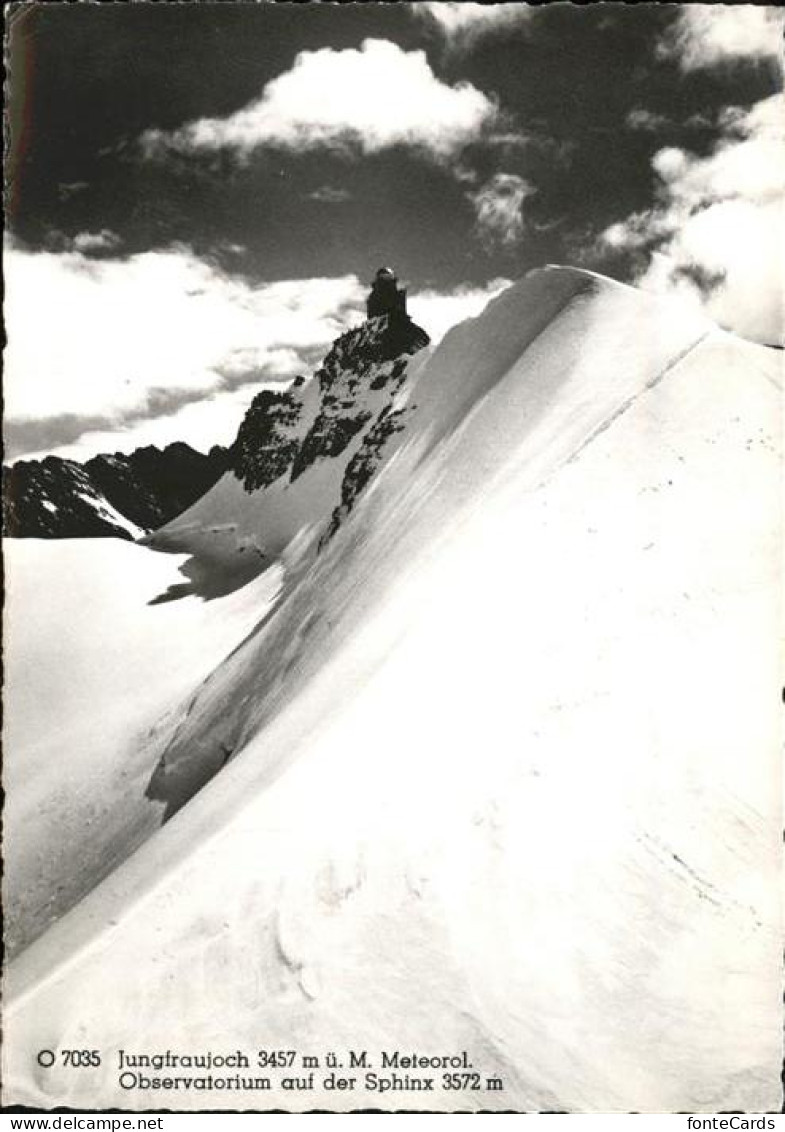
{"x":115,"y":495}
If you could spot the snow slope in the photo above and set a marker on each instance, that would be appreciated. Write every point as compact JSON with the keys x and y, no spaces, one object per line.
{"x":94,"y":663}
{"x":504,"y":774}
{"x":137,"y":658}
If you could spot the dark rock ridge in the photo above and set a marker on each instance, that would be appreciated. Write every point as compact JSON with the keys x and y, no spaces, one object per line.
{"x":345,"y":371}
{"x":283,"y":435}
{"x":287,"y":433}
{"x":109,"y":496}
{"x":267,"y":441}
{"x":364,"y":463}
{"x":153,"y":485}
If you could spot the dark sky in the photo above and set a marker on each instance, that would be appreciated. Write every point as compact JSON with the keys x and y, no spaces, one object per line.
{"x":97,"y":76}
{"x":87,"y":81}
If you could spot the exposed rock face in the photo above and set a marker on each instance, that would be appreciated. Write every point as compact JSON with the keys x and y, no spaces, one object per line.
{"x":268,"y":439}
{"x":152,"y":485}
{"x":284,"y":433}
{"x":56,"y":498}
{"x":119,"y":496}
{"x":330,"y":434}
{"x":372,"y":357}
{"x":365,"y":462}
{"x":289,"y":432}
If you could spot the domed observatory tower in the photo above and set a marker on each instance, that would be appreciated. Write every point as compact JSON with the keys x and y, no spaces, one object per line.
{"x":386,"y":296}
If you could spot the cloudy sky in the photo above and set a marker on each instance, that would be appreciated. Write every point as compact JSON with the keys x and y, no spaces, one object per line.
{"x":197,"y":195}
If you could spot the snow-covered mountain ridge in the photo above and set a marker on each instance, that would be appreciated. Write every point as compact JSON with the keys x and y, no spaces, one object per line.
{"x":108,"y":496}
{"x":302,"y":455}
{"x":498,"y":761}
{"x":301,"y":452}
{"x":286,"y":432}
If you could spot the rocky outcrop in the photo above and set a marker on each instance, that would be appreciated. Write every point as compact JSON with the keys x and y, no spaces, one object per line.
{"x":286,"y":433}
{"x":268,"y":440}
{"x":109,"y":496}
{"x":152,"y":485}
{"x":357,"y":361}
{"x":364,"y":463}
{"x":54,"y":498}
{"x":348,"y":401}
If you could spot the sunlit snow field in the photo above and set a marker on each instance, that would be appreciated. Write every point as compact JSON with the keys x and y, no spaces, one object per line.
{"x":504,"y":772}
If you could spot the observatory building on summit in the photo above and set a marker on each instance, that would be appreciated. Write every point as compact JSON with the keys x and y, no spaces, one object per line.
{"x":386,"y":297}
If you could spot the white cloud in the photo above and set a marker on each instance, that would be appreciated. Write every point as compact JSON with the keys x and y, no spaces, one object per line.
{"x":670,"y":163}
{"x":649,"y":120}
{"x":705,"y":35}
{"x":164,"y":347}
{"x":461,"y":24}
{"x":737,"y":245}
{"x":639,"y":230}
{"x":499,"y":204}
{"x":68,"y":189}
{"x":95,"y":241}
{"x":329,"y":194}
{"x":99,"y":338}
{"x":641,"y":119}
{"x":214,"y":420}
{"x":373,"y":98}
{"x":748,"y":162}
{"x":718,"y":230}
{"x":438,"y":311}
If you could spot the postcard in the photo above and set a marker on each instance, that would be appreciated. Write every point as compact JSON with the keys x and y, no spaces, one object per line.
{"x":393,"y":530}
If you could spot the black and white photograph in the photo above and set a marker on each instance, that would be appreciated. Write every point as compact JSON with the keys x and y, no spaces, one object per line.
{"x":392,"y":536}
